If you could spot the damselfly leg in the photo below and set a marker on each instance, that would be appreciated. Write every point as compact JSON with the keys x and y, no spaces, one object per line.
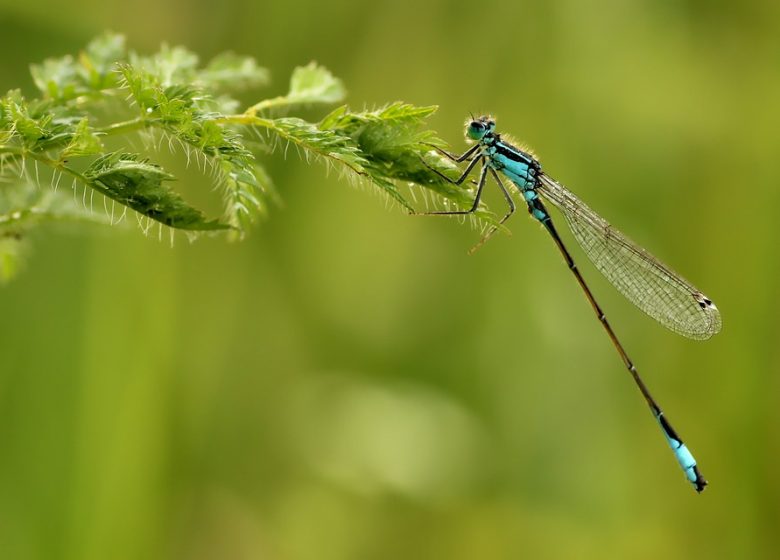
{"x":458,"y":181}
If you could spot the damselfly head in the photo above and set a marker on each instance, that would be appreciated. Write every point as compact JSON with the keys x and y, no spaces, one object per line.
{"x":476,"y":129}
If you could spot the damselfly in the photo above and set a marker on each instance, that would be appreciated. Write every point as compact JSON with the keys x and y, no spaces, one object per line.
{"x":645,"y":281}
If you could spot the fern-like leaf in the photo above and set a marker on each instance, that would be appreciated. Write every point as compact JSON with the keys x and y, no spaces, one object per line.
{"x":106,"y":94}
{"x":138,"y":184}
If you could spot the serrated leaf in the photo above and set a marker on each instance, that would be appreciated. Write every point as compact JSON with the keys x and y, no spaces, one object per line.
{"x":138,"y":184}
{"x":66,"y":78}
{"x":42,"y":126}
{"x":171,"y":65}
{"x":309,"y":84}
{"x":315,"y":84}
{"x":322,"y":143}
{"x":395,"y":147}
{"x":57,"y":78}
{"x":100,"y":58}
{"x":391,"y":115}
{"x":106,"y":50}
{"x":389,"y":138}
{"x":243,"y":193}
{"x":83,"y":142}
{"x":26,"y":127}
{"x":175,"y":110}
{"x":332,"y":147}
{"x":229,"y":70}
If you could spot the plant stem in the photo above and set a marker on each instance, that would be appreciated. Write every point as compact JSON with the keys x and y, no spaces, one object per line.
{"x":56,"y":164}
{"x":267,"y":104}
{"x":124,"y":126}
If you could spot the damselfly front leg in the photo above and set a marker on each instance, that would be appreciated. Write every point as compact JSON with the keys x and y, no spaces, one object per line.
{"x":458,"y":181}
{"x":495,"y":227}
{"x":457,"y":159}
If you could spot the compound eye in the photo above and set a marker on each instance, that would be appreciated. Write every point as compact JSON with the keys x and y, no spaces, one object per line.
{"x":476,"y":130}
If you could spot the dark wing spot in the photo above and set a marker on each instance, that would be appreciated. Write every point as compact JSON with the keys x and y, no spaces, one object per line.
{"x":703,"y":300}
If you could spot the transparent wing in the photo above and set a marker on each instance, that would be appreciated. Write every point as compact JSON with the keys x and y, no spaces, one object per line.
{"x":648,"y":283}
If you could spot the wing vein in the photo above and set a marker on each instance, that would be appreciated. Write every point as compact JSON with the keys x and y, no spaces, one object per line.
{"x":645,"y":281}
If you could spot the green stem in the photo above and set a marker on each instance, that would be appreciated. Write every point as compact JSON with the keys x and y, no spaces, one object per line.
{"x":35,"y":213}
{"x":54,"y":163}
{"x":246,"y":119}
{"x":125,"y":126}
{"x":268,"y":104}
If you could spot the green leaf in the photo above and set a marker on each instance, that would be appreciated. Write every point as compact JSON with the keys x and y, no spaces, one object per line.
{"x":100,"y":58}
{"x":176,"y":111}
{"x":66,"y":78}
{"x":45,"y":126}
{"x":58,"y":78}
{"x":230,"y":71}
{"x":316,"y":142}
{"x":315,"y":84}
{"x":397,"y":148}
{"x":105,"y":51}
{"x":391,"y":115}
{"x":244,"y":186}
{"x":26,"y":126}
{"x":171,"y":65}
{"x":83,"y":142}
{"x":332,"y":148}
{"x":309,"y":84}
{"x":138,"y":184}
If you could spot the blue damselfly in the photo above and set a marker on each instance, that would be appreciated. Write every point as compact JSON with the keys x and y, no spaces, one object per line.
{"x":642,"y":279}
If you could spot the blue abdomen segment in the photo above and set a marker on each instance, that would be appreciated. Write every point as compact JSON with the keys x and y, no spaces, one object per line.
{"x":521,"y":173}
{"x":535,"y":207}
{"x":681,"y":452}
{"x":522,"y":170}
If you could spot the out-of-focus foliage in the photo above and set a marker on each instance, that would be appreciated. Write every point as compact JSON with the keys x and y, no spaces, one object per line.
{"x":346,"y":383}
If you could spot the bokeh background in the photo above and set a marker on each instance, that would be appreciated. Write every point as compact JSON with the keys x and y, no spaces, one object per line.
{"x":347,"y":383}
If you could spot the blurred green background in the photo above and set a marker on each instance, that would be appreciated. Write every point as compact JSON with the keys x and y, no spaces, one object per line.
{"x":347,"y":383}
